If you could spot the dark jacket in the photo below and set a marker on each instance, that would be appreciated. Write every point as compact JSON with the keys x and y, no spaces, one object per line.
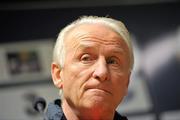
{"x":54,"y":112}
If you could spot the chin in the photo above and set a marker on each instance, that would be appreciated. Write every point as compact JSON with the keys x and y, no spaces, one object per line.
{"x":97,"y":103}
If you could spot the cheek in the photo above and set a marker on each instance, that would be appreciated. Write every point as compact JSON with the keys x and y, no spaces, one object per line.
{"x":74,"y":78}
{"x":70,"y":77}
{"x":120,"y":83}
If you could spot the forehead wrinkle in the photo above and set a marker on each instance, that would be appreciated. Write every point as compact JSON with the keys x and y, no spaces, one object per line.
{"x":91,"y":42}
{"x":77,"y":36}
{"x":86,"y":46}
{"x":115,"y":49}
{"x":105,"y":41}
{"x":118,"y":50}
{"x":93,"y":34}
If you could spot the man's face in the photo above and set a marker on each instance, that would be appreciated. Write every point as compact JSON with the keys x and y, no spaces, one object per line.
{"x":96,"y":70}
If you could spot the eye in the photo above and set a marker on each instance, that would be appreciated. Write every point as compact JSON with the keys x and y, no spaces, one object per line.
{"x":86,"y":58}
{"x":113,"y":60}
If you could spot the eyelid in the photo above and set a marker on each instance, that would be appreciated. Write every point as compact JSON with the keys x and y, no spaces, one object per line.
{"x":116,"y":59}
{"x":85,"y":55}
{"x":86,"y":58}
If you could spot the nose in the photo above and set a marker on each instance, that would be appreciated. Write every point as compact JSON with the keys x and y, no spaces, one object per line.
{"x":101,"y":70}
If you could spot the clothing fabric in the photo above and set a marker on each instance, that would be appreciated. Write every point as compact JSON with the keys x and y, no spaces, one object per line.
{"x":54,"y":112}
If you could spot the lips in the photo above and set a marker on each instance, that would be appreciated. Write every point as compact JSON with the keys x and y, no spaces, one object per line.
{"x":98,"y":89}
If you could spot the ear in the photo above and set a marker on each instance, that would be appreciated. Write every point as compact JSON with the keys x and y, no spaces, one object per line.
{"x":56,"y":77}
{"x":127,"y":84}
{"x":128,"y":79}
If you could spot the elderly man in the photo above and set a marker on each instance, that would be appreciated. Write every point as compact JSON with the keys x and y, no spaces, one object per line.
{"x":91,"y":66}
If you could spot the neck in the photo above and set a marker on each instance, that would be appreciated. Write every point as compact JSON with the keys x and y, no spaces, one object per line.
{"x":84,"y":114}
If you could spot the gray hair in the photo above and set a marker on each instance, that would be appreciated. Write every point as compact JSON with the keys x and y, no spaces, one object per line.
{"x":117,"y":26}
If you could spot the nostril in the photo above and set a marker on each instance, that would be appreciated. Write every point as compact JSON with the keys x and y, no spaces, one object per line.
{"x":97,"y":77}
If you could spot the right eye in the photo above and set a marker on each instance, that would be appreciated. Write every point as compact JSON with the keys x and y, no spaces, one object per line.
{"x":86,"y":58}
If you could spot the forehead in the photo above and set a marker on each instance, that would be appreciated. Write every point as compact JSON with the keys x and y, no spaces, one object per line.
{"x":98,"y":28}
{"x":98,"y":33}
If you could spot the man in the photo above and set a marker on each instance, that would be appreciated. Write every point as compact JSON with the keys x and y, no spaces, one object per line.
{"x":91,"y":66}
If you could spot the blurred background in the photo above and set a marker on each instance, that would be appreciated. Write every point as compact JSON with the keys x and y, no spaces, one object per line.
{"x":29,"y":28}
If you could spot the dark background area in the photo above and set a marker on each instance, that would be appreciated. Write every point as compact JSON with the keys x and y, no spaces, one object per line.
{"x":145,"y":21}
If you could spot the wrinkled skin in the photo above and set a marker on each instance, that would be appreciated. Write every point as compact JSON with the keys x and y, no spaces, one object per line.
{"x":95,"y":75}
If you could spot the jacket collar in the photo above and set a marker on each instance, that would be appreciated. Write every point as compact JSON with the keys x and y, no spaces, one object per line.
{"x":54,"y":112}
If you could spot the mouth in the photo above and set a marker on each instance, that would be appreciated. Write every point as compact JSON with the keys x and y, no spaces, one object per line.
{"x":99,"y":90}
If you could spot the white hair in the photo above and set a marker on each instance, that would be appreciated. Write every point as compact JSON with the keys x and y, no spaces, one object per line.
{"x":117,"y":26}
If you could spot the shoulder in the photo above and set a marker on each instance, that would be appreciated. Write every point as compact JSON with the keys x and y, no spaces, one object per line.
{"x":54,"y":112}
{"x":119,"y":117}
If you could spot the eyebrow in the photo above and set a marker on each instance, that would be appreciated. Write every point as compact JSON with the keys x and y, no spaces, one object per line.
{"x":118,"y":50}
{"x":85,"y":46}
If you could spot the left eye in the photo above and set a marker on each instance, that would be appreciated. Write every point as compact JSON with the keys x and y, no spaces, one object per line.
{"x":112,"y":60}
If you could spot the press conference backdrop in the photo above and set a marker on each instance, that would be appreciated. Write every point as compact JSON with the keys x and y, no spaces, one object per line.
{"x":26,"y":44}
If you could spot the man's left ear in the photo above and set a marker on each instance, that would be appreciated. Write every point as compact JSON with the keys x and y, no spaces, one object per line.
{"x":128,"y":81}
{"x":129,"y":75}
{"x":55,"y":73}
